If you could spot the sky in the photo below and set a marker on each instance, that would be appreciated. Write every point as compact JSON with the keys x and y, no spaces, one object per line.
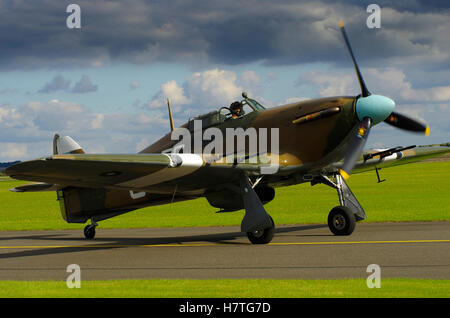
{"x":105,"y":84}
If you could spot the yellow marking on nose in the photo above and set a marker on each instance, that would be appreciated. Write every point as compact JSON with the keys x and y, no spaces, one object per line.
{"x":344,"y":174}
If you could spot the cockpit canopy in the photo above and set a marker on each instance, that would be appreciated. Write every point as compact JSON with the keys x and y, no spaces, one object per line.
{"x":252,"y":103}
{"x":216,"y":117}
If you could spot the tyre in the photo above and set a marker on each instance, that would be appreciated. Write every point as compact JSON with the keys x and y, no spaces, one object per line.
{"x":341,"y":221}
{"x":262,"y":236}
{"x":89,"y":232}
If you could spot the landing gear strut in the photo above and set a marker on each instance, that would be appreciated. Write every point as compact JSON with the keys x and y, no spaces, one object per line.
{"x":89,"y":230}
{"x":258,"y":225}
{"x":342,"y":219}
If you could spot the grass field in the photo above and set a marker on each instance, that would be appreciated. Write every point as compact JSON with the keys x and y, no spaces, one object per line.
{"x":415,"y":192}
{"x":230,"y":288}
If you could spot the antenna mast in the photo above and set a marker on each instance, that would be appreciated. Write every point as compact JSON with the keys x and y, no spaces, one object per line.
{"x":170,"y":115}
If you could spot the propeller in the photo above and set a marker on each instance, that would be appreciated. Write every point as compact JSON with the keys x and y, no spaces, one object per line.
{"x":371,"y":109}
{"x":406,"y":123}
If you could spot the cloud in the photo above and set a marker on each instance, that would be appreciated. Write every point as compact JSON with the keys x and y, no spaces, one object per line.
{"x":250,"y":78}
{"x":12,"y":151}
{"x":388,"y":81}
{"x":395,"y":83}
{"x":97,"y":122}
{"x":213,"y":88}
{"x":58,"y":83}
{"x":199,"y":92}
{"x":84,"y":85}
{"x":172,"y":91}
{"x":31,"y":127}
{"x":332,"y":83}
{"x":205,"y":32}
{"x":8,"y":114}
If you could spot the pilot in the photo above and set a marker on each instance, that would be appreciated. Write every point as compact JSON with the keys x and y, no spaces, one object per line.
{"x":236,"y":110}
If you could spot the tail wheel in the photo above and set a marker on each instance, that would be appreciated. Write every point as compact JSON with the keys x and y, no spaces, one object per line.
{"x":89,"y":232}
{"x":262,"y":236}
{"x":341,"y":221}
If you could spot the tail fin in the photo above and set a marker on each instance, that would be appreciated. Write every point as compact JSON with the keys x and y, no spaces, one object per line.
{"x":65,"y":145}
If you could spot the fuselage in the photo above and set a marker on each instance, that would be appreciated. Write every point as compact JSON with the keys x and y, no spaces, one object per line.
{"x":309,"y":131}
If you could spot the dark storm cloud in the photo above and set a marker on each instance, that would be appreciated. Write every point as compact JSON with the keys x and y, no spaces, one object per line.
{"x":423,"y":6}
{"x":34,"y":33}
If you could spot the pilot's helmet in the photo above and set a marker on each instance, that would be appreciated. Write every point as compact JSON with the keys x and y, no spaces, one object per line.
{"x":235,"y":105}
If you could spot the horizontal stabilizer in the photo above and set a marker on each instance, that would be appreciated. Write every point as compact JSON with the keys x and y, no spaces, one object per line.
{"x":36,"y":187}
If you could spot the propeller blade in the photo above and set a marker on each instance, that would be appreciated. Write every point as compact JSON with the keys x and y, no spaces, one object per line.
{"x":364,"y":91}
{"x":406,"y":123}
{"x":355,"y":146}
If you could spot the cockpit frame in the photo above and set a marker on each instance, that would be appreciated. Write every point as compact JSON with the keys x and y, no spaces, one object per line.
{"x":216,"y":117}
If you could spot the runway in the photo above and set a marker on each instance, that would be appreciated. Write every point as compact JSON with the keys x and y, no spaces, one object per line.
{"x":412,"y":250}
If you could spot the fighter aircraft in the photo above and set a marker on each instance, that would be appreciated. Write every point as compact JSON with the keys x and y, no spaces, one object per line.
{"x":319,"y":141}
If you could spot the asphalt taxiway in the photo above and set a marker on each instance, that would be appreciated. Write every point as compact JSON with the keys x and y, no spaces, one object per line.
{"x":413,"y":250}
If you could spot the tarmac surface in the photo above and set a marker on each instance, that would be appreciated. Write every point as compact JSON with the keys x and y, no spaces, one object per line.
{"x":409,"y":250}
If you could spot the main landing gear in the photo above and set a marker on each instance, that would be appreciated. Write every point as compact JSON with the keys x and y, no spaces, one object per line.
{"x":89,"y":230}
{"x":258,"y":225}
{"x":342,"y":219}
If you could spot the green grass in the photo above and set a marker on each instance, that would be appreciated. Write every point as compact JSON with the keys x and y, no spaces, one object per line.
{"x":414,"y":192}
{"x":229,"y":288}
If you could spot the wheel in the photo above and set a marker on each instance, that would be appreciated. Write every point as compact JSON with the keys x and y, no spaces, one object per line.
{"x":341,"y":221}
{"x":89,"y":232}
{"x":262,"y":236}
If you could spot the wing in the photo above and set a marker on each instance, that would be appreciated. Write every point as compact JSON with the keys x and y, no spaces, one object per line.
{"x":144,"y":172}
{"x":125,"y":171}
{"x":397,"y":156}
